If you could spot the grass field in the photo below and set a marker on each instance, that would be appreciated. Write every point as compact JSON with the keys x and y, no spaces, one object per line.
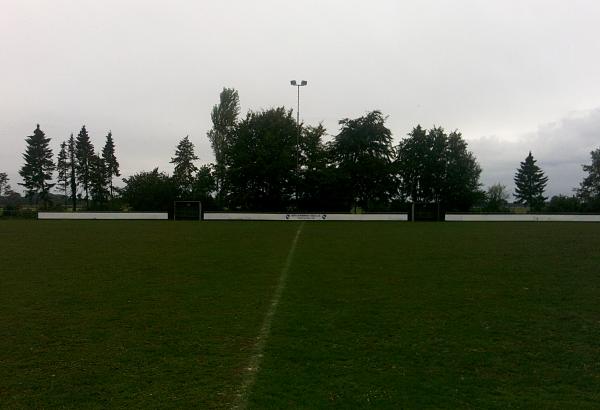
{"x":97,"y":314}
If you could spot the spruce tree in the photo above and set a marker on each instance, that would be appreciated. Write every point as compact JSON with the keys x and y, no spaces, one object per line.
{"x":184,"y":165}
{"x":38,"y":167}
{"x":63,"y":167}
{"x":530,"y":184}
{"x":84,"y":151}
{"x":98,"y":180}
{"x":4,"y":185}
{"x":73,"y":172}
{"x":110,"y":161}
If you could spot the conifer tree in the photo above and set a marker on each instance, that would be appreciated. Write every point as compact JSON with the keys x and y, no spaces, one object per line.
{"x":98,"y":180}
{"x":5,"y":188}
{"x":110,"y":161}
{"x":184,"y":165}
{"x":73,"y":172}
{"x":84,"y":151}
{"x":530,"y":184}
{"x":38,"y":167}
{"x":62,"y":167}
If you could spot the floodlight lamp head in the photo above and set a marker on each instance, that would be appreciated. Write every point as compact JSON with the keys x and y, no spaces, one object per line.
{"x":293,"y":82}
{"x":303,"y":82}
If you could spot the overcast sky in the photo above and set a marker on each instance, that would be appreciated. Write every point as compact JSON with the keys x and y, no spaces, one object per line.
{"x":511,"y":75}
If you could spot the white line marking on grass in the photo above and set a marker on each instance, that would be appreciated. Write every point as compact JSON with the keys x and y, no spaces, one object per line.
{"x":251,"y":370}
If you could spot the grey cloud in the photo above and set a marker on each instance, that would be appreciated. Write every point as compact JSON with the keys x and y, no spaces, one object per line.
{"x":560,"y":148}
{"x":151,"y":70}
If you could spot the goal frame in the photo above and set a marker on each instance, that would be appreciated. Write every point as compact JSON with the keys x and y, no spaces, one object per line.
{"x":199,"y":203}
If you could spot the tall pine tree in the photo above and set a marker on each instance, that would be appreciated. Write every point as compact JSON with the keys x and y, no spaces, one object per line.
{"x":530,"y":184}
{"x":184,"y":165}
{"x":98,"y":181}
{"x":84,"y":151}
{"x":4,"y":185}
{"x":63,"y":167}
{"x":38,"y":167}
{"x":73,"y":172}
{"x":110,"y":161}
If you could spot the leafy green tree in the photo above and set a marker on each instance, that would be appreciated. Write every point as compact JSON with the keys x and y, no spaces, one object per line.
{"x":204,"y":186}
{"x":589,"y":189}
{"x":315,"y":187}
{"x":435,"y":167}
{"x":261,"y":161}
{"x":461,"y":189}
{"x":110,"y":162}
{"x":150,"y":191}
{"x":563,"y":203}
{"x":84,"y":152}
{"x":496,"y":199}
{"x":62,"y":168}
{"x":224,"y":117}
{"x":421,"y":163}
{"x":184,"y":165}
{"x":72,"y":171}
{"x":99,"y":181}
{"x":530,"y":184}
{"x":363,"y":154}
{"x":38,"y":167}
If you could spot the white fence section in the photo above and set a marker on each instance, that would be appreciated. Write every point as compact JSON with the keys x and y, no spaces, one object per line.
{"x":522,"y":218}
{"x":228,"y":216}
{"x":231,"y":216}
{"x":367,"y":217}
{"x":103,"y":215}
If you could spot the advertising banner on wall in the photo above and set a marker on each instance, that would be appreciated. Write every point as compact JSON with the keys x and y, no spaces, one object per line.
{"x":305,"y":217}
{"x":231,"y":216}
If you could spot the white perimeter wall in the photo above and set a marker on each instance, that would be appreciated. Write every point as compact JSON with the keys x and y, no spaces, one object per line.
{"x":230,"y":216}
{"x":216,"y":216}
{"x":103,"y":215}
{"x":522,"y":217}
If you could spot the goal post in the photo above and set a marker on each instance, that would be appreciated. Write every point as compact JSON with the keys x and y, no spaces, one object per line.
{"x":187,"y":211}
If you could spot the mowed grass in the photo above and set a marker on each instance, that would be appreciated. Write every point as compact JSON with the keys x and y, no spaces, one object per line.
{"x":452,"y":315}
{"x":131,"y":314}
{"x":373,"y":315}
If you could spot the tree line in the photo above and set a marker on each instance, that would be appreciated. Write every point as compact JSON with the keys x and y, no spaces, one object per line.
{"x":266,"y":161}
{"x":82,"y":173}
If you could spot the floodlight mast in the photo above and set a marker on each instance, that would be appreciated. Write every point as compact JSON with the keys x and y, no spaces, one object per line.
{"x":294,"y":83}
